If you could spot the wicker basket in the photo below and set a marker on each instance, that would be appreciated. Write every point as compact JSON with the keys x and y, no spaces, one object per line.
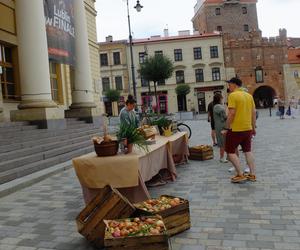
{"x":106,"y":148}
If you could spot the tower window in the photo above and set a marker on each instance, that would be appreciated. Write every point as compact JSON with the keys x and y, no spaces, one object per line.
{"x":218,"y":11}
{"x":219,"y":28}
{"x":246,"y":27}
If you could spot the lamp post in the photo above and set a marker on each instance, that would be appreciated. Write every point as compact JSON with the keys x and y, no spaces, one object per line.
{"x":138,"y":8}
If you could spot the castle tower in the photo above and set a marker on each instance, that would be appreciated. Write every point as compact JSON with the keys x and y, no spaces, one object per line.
{"x":236,"y":17}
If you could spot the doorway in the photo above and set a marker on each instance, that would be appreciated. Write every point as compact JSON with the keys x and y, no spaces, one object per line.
{"x":264,"y":96}
{"x":201,"y":102}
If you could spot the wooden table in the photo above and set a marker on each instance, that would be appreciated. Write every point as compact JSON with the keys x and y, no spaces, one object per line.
{"x":129,"y":172}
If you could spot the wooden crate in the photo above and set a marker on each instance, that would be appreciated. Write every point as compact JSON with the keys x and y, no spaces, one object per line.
{"x":108,"y":204}
{"x":201,"y":153}
{"x":150,"y":242}
{"x":176,"y":219}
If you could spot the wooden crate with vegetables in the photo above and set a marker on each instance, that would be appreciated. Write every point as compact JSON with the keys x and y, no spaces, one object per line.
{"x":108,"y":204}
{"x":147,"y":233}
{"x":174,"y":211}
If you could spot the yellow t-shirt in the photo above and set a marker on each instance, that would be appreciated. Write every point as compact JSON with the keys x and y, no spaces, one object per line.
{"x":243,"y":104}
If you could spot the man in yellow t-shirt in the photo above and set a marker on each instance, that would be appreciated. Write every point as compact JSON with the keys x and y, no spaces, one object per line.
{"x":240,"y":127}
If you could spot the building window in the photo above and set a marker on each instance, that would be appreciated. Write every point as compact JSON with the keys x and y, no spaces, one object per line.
{"x":218,"y":11}
{"x":246,"y":27}
{"x":219,"y":28}
{"x":199,"y":75}
{"x":214,"y":52}
{"x":144,"y":82}
{"x":259,"y":75}
{"x":296,"y":74}
{"x":197,"y":53}
{"x":7,"y":79}
{"x":244,"y":10}
{"x":117,"y":58}
{"x":103,"y":60}
{"x":105,"y":84}
{"x":178,"y":55}
{"x":119,"y":82}
{"x":179,"y":76}
{"x":158,"y":52}
{"x":55,"y":81}
{"x":142,"y":57}
{"x":216,"y":76}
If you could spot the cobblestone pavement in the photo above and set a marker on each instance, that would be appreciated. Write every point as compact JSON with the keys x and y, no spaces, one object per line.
{"x":261,"y":215}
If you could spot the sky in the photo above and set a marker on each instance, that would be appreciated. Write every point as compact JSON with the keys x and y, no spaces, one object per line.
{"x":177,"y":14}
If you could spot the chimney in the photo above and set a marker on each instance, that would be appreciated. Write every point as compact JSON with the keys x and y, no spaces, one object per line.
{"x":109,"y":39}
{"x":166,"y":32}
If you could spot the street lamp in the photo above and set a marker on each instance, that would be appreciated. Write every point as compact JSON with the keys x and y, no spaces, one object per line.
{"x":138,"y":8}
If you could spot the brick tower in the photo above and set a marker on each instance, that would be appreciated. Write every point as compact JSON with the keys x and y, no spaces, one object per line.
{"x":236,"y":17}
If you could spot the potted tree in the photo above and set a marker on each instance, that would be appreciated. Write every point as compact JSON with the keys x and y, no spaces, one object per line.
{"x":113,"y":96}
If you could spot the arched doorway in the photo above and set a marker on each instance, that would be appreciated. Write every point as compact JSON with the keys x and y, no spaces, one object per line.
{"x":264,"y":96}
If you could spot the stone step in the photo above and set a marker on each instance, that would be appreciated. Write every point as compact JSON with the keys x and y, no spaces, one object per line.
{"x":46,"y":142}
{"x":13,"y":129}
{"x":42,"y":146}
{"x":20,"y":161}
{"x":13,"y":124}
{"x":40,"y":134}
{"x":30,"y":168}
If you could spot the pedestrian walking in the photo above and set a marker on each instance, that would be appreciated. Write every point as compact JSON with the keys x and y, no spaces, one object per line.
{"x":293,"y":106}
{"x":239,"y":129}
{"x":220,"y":116}
{"x":281,"y":108}
{"x":210,"y":119}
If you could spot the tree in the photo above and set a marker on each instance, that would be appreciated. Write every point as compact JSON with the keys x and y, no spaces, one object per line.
{"x":182,"y":90}
{"x":113,"y":95}
{"x":156,"y":68}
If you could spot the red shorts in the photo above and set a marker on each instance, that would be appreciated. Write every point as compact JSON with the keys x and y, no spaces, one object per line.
{"x":234,"y":139}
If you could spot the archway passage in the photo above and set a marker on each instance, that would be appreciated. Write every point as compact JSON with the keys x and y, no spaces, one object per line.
{"x":264,"y":96}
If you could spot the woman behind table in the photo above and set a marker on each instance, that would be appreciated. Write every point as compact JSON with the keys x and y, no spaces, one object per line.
{"x":219,"y":113}
{"x":127,"y":114}
{"x":280,"y":104}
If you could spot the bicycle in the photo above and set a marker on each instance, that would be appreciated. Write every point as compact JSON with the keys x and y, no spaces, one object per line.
{"x":181,"y":127}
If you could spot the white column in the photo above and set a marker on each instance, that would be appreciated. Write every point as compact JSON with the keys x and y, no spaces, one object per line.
{"x":83,"y":93}
{"x":33,"y":55}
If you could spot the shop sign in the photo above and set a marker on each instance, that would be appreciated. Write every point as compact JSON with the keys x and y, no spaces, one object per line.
{"x":59,"y":15}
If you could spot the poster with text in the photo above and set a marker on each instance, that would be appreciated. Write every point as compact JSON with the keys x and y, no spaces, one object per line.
{"x":59,"y":15}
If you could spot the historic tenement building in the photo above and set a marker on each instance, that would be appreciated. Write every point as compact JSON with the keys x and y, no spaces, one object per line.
{"x":37,"y":87}
{"x":114,"y":71}
{"x":198,"y":61}
{"x":236,"y":17}
{"x":292,"y":73}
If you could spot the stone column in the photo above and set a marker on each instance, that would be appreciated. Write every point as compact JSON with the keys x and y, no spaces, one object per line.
{"x":36,"y":101}
{"x":83,"y":105}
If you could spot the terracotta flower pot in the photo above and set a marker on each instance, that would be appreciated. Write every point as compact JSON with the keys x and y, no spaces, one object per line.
{"x":129,"y":148}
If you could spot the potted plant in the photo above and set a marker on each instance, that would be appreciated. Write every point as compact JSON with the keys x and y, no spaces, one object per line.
{"x":164,"y":125}
{"x":130,"y":136}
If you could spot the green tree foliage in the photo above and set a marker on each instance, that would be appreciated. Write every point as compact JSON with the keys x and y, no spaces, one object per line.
{"x":182,"y":89}
{"x":156,"y":68}
{"x":113,"y":95}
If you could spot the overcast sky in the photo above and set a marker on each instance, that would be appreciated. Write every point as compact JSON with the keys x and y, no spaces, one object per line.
{"x":177,"y":14}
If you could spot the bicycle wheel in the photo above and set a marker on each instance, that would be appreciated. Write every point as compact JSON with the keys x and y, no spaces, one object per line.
{"x":181,"y":127}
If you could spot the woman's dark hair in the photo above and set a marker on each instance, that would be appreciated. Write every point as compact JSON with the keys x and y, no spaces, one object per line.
{"x":130,"y":100}
{"x":217,"y":98}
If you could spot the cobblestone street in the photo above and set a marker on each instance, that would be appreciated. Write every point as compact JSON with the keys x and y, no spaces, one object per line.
{"x":225,"y":216}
